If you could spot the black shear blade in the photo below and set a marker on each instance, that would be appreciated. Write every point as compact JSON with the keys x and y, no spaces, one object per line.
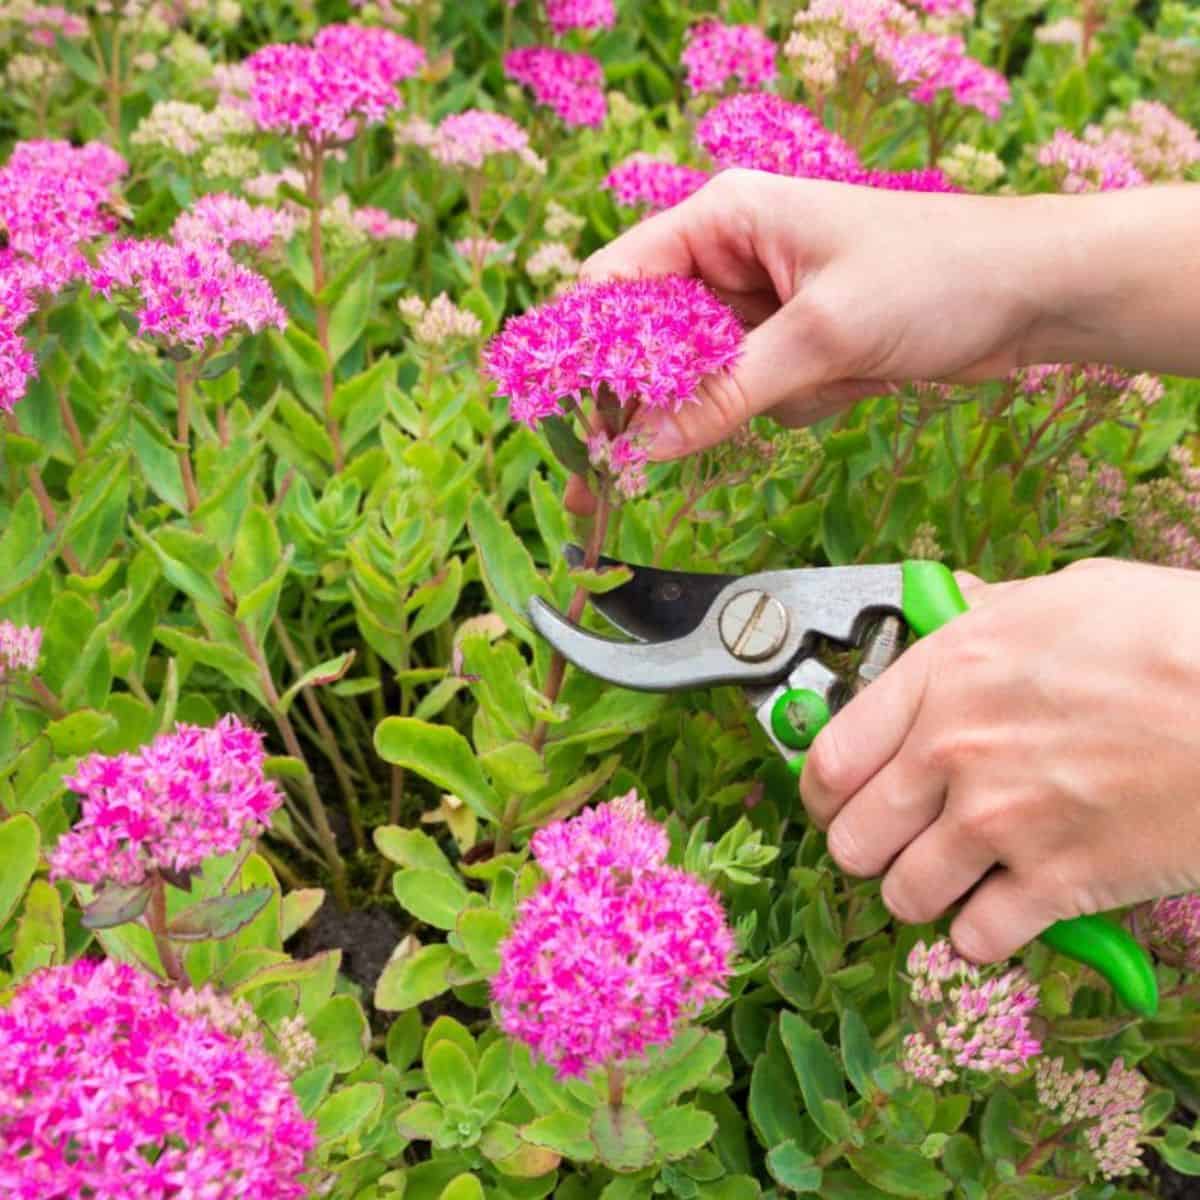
{"x":655,"y":605}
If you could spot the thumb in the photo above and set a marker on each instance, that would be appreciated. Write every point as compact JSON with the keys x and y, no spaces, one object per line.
{"x":772,"y":369}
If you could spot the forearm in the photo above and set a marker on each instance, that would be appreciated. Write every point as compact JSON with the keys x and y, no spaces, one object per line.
{"x":1117,"y":279}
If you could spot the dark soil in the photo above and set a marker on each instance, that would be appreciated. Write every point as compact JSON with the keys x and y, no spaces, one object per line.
{"x":1170,"y":1184}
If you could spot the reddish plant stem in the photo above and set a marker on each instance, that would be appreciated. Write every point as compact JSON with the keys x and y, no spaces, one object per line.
{"x":156,"y":922}
{"x":616,"y":1086}
{"x":183,"y":435}
{"x":321,"y":309}
{"x":46,"y":698}
{"x":45,"y":505}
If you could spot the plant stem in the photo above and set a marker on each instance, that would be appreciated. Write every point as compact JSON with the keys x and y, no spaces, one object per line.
{"x":321,"y":309}
{"x":156,"y":922}
{"x":46,"y":698}
{"x":616,"y":1086}
{"x":45,"y":505}
{"x":183,"y":417}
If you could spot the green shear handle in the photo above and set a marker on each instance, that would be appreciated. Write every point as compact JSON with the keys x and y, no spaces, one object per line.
{"x":931,"y":597}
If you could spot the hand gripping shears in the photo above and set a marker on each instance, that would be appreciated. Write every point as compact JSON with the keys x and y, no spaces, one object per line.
{"x":766,"y":632}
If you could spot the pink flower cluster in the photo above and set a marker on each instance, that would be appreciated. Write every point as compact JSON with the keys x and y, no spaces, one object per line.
{"x":224,"y":220}
{"x":1111,"y":1106}
{"x":380,"y":226}
{"x":571,"y":84}
{"x":649,"y":341}
{"x":46,"y":20}
{"x":565,"y":15}
{"x":1165,"y":514}
{"x":715,"y":54}
{"x":966,"y":1022}
{"x":643,"y":181}
{"x":1085,"y":166}
{"x":930,"y":63}
{"x":960,"y":9}
{"x":479,"y":250}
{"x":191,"y":294}
{"x":187,"y":796}
{"x":369,"y":50}
{"x":17,"y":363}
{"x":109,"y":1090}
{"x":469,"y":139}
{"x":1172,"y":927}
{"x":623,"y":459}
{"x":325,"y":93}
{"x":615,"y":950}
{"x":20,"y":646}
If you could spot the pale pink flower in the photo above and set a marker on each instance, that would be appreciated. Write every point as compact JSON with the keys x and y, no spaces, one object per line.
{"x":188,"y":796}
{"x":571,"y":84}
{"x":109,"y":1090}
{"x":267,"y":185}
{"x":643,"y":181}
{"x":469,"y":139}
{"x":369,"y":50}
{"x":1111,"y":1107}
{"x":927,"y":64}
{"x":565,"y":15}
{"x":480,"y":250}
{"x":715,"y":54}
{"x":614,"y":951}
{"x":380,"y":226}
{"x":20,"y":646}
{"x":44,"y":21}
{"x":439,"y":322}
{"x":551,"y":260}
{"x":225,"y":220}
{"x":1172,"y":928}
{"x":1152,"y":137}
{"x":958,"y":9}
{"x":968,"y":1021}
{"x":649,"y":341}
{"x":190,"y":295}
{"x":1084,"y":166}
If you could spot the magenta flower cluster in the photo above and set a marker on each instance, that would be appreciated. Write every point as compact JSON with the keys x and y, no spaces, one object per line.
{"x":764,"y":132}
{"x":966,"y":1021}
{"x":110,"y":1090}
{"x":189,"y":795}
{"x":20,"y":646}
{"x":716,"y":54}
{"x":1110,"y":1106}
{"x":17,"y":362}
{"x":191,"y":295}
{"x":565,"y":15}
{"x":649,"y":341}
{"x":1172,"y":927}
{"x":225,"y":220}
{"x":326,"y":91}
{"x":643,"y":181}
{"x":570,"y":84}
{"x":615,"y":950}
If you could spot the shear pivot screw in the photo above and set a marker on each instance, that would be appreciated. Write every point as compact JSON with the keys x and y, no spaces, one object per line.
{"x":754,"y":625}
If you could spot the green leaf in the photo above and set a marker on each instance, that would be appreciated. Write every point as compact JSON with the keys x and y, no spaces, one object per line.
{"x":622,"y":1139}
{"x":115,"y":905}
{"x":411,"y":848}
{"x":298,"y":908}
{"x":1036,"y":1187}
{"x":76,"y":60}
{"x":219,"y":916}
{"x":681,"y":1131}
{"x":690,"y":1060}
{"x":599,"y":580}
{"x":342,"y":1033}
{"x":352,"y":1110}
{"x":324,"y":673}
{"x":450,"y":1073}
{"x":793,"y":1168}
{"x":350,"y":314}
{"x":442,"y":755}
{"x":431,"y":896}
{"x":898,"y":1171}
{"x":817,"y":1070}
{"x":415,"y":978}
{"x":463,"y":1187}
{"x":234,"y":664}
{"x":566,"y":444}
{"x":39,"y":940}
{"x":80,"y":732}
{"x":481,"y":930}
{"x":20,"y":842}
{"x":565,"y":1133}
{"x":508,"y":571}
{"x":1186,"y":1162}
{"x":422,"y":1121}
{"x":859,"y":1056}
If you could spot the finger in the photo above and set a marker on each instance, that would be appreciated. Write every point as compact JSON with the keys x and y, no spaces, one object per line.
{"x":866,"y":735}
{"x":886,"y":814}
{"x":1002,"y":916}
{"x":934,"y":873}
{"x":579,"y":499}
{"x":654,"y":246}
{"x":773,"y":367}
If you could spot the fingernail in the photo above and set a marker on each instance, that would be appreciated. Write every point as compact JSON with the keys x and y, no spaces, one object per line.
{"x":664,"y":438}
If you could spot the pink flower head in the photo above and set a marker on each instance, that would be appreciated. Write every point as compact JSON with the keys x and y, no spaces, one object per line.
{"x":17,"y":363}
{"x":623,"y":458}
{"x":469,"y":139}
{"x":565,"y":15}
{"x":369,"y":50}
{"x":764,"y":132}
{"x":187,"y":796}
{"x":479,"y":250}
{"x":1172,"y":927}
{"x":925,"y":179}
{"x":188,"y":294}
{"x":643,"y":181}
{"x":20,"y":646}
{"x":318,"y":94}
{"x":616,"y":836}
{"x":45,"y":20}
{"x":930,"y":63}
{"x":224,"y":220}
{"x":110,"y":1090}
{"x":1152,"y":137}
{"x":960,"y":9}
{"x":380,"y":226}
{"x":717,"y":53}
{"x":614,"y":950}
{"x":649,"y":341}
{"x":979,"y":1023}
{"x":570,"y":84}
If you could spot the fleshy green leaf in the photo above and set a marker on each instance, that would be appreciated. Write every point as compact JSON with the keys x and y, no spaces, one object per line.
{"x":817,"y":1070}
{"x":324,"y":673}
{"x":415,"y":978}
{"x":897,"y":1171}
{"x":431,"y":896}
{"x":220,"y":916}
{"x":565,"y":1133}
{"x":115,"y":905}
{"x":351,"y":1110}
{"x":450,"y":1074}
{"x":20,"y":842}
{"x":622,"y":1139}
{"x":793,"y":1168}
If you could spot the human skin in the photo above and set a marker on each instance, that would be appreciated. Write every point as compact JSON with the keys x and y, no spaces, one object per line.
{"x":1036,"y":756}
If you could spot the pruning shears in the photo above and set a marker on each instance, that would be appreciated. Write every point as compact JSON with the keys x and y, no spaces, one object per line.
{"x":767,"y":632}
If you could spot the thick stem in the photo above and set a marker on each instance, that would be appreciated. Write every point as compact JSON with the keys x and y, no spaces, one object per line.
{"x":156,"y":922}
{"x":616,"y":1087}
{"x":315,"y":171}
{"x":183,"y":419}
{"x":46,"y":698}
